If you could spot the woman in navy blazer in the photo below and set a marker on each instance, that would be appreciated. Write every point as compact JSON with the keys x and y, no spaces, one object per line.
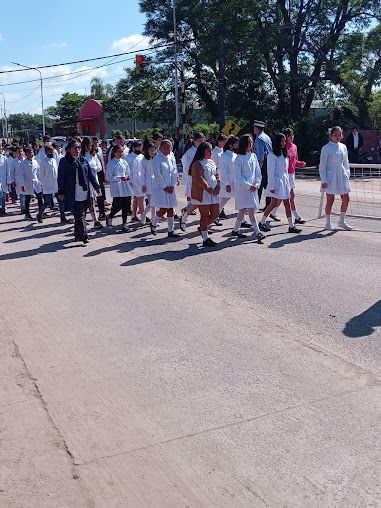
{"x":74,"y":175}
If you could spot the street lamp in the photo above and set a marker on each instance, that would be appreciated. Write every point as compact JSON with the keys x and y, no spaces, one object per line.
{"x":5,"y":117}
{"x":42,"y":95}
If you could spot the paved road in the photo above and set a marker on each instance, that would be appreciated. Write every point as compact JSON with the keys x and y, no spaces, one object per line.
{"x":137,"y":371}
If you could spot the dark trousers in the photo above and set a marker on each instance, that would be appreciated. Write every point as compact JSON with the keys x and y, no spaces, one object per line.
{"x":120,"y":204}
{"x":353,"y":156}
{"x":28,"y":197}
{"x":263,"y":183}
{"x":80,"y":231}
{"x":101,"y":180}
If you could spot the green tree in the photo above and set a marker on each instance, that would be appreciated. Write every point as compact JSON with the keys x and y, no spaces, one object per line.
{"x":22,"y":121}
{"x":68,"y":107}
{"x":100,"y":91}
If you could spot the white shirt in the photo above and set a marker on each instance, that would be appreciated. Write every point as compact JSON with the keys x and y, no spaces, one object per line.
{"x":355,"y":140}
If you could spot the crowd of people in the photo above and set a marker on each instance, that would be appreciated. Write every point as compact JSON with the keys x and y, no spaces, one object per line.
{"x":144,"y":181}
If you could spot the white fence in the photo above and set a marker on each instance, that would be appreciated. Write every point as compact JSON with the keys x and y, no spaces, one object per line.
{"x":365,"y":196}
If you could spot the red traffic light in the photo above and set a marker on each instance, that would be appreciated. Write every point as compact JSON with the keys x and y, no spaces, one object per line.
{"x":140,"y":58}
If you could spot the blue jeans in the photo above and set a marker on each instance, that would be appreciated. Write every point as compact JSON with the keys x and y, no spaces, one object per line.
{"x":22,"y":202}
{"x":48,"y":201}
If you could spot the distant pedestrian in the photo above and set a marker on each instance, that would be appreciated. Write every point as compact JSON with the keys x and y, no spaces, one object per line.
{"x":354,"y":143}
{"x":226,"y":171}
{"x":263,"y":146}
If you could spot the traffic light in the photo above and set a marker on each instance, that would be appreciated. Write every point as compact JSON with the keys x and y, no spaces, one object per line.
{"x":139,"y":63}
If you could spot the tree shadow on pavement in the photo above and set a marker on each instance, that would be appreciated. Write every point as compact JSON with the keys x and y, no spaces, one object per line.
{"x":43,"y":249}
{"x":365,"y":323}
{"x":39,"y":234}
{"x":298,"y":238}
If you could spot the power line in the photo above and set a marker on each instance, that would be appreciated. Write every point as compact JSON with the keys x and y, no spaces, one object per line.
{"x":93,"y":59}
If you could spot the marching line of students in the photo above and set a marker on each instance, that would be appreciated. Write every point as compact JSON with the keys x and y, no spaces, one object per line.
{"x":211,"y":177}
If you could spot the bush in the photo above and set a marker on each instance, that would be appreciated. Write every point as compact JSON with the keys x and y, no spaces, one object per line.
{"x":115,"y":132}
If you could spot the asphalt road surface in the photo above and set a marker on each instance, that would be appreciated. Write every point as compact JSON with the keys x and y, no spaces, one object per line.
{"x":141,"y":371}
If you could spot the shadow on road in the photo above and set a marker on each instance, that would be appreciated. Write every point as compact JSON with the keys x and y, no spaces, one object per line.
{"x":301,"y":238}
{"x":365,"y":323}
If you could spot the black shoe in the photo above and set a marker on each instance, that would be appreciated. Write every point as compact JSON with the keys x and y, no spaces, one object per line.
{"x":246,"y":225}
{"x":274,"y":217}
{"x":208,"y":243}
{"x":135,"y":219}
{"x":223,"y":214}
{"x":64,"y":220}
{"x":85,"y":241}
{"x":28,"y":216}
{"x":148,"y":221}
{"x":299,"y":221}
{"x":176,"y":217}
{"x":102,"y":216}
{"x":217,"y":222}
{"x":172,"y":234}
{"x":53,"y":208}
{"x":264,"y":227}
{"x":45,"y":215}
{"x":153,"y":229}
{"x":183,"y":225}
{"x":238,"y":234}
{"x":98,"y":225}
{"x":260,"y":236}
{"x":294,"y":230}
{"x":39,"y":219}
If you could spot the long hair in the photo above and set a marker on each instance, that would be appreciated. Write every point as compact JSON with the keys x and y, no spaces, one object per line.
{"x":200,"y":153}
{"x":221,"y":137}
{"x":230,"y":142}
{"x":277,"y":149}
{"x":86,"y":141}
{"x":146,"y":154}
{"x":244,"y":143}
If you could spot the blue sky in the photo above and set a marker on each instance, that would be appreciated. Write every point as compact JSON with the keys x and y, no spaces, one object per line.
{"x":69,"y":32}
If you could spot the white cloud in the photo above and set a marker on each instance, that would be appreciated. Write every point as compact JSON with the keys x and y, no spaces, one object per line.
{"x":135,"y":42}
{"x":57,"y":45}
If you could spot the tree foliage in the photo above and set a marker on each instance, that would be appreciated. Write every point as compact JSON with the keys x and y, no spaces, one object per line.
{"x":23,"y":121}
{"x":68,"y":107}
{"x":279,"y":56}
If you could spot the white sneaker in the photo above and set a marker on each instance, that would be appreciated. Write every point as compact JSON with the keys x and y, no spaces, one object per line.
{"x":329,"y":227}
{"x":344,"y":225}
{"x":142,"y":220}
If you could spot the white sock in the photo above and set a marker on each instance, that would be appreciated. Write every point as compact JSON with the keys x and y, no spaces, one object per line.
{"x":274,"y":211}
{"x":290,"y":222}
{"x":205,"y":235}
{"x":253,"y":220}
{"x":342,"y":216}
{"x":328,"y":219}
{"x":153,"y":212}
{"x":263,"y":220}
{"x":296,"y":215}
{"x":171,"y":222}
{"x":184,"y":217}
{"x":155,"y":220}
{"x":223,"y":202}
{"x":237,"y":225}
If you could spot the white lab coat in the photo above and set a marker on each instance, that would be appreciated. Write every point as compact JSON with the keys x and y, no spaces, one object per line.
{"x":94,"y":166}
{"x":277,"y":177}
{"x":49,"y":175}
{"x":29,"y":171}
{"x":15,"y":172}
{"x":210,"y":176}
{"x":4,"y":174}
{"x":147,"y":174}
{"x":117,"y":168}
{"x":164,"y":175}
{"x":216,"y":154}
{"x":334,"y":168}
{"x":247,"y":173}
{"x":187,"y":161}
{"x":226,"y":170}
{"x":136,"y":175}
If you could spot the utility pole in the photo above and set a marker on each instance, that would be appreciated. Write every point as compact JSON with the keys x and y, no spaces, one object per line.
{"x":221,"y":81}
{"x":176,"y":74}
{"x":42,"y":94}
{"x":5,"y":118}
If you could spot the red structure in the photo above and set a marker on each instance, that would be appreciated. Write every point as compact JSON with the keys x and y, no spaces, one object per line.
{"x":91,"y":119}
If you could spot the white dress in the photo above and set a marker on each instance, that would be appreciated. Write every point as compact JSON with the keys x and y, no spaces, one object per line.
{"x":147,"y":174}
{"x":136,"y":176}
{"x":164,"y":175}
{"x":216,"y":154}
{"x":226,"y":170}
{"x":247,"y":173}
{"x":334,"y":168}
{"x":277,"y":177}
{"x":117,"y":168}
{"x":187,"y":161}
{"x":49,"y":175}
{"x":210,"y":173}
